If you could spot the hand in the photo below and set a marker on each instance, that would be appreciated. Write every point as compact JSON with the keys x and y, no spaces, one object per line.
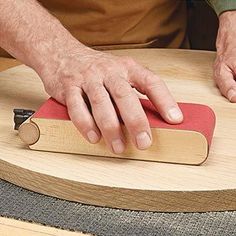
{"x":225,"y":64}
{"x":72,"y":73}
{"x":102,"y":77}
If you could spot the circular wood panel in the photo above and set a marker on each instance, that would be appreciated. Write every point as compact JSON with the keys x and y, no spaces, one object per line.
{"x":127,"y":184}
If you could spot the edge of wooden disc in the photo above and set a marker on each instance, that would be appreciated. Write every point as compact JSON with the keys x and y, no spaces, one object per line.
{"x":105,"y":196}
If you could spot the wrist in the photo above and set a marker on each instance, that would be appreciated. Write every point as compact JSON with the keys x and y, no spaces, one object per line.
{"x":43,"y":51}
{"x":226,"y":31}
{"x":52,"y":56}
{"x":227,"y":16}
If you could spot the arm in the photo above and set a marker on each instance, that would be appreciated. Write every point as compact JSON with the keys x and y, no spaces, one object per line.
{"x":71,"y":71}
{"x":225,"y":63}
{"x":30,"y":33}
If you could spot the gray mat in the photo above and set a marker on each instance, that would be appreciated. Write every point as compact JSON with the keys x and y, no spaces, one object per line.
{"x":16,"y":202}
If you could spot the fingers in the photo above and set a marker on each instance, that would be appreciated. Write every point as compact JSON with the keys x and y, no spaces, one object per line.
{"x":225,"y":81}
{"x":116,"y":80}
{"x":105,"y":115}
{"x":80,"y":115}
{"x":130,"y":110}
{"x":148,"y":83}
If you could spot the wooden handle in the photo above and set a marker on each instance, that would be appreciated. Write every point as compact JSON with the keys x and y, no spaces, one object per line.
{"x":29,"y":133}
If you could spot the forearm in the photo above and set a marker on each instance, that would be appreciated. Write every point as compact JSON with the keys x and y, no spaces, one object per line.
{"x":72,"y":72}
{"x":31,"y":34}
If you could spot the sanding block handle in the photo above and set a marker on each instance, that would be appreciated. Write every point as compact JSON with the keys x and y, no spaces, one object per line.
{"x":29,"y":132}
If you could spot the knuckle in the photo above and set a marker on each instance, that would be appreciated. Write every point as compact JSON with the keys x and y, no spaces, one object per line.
{"x":151,"y":82}
{"x":121,"y":89}
{"x":128,"y":61}
{"x":219,"y":68}
{"x":109,"y":126}
{"x":96,"y":93}
{"x":222,"y":65}
{"x":98,"y":97}
{"x":105,"y":66}
{"x":219,"y":82}
{"x":137,"y":122}
{"x":114,"y":70}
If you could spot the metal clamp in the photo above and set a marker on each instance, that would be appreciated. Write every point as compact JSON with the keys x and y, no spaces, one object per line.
{"x":20,"y":116}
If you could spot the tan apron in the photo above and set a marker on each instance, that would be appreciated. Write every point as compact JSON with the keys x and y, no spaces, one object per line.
{"x":113,"y":24}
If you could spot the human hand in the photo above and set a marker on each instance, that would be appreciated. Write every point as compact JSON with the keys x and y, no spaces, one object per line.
{"x":72,"y":73}
{"x":100,"y":77}
{"x":225,"y":63}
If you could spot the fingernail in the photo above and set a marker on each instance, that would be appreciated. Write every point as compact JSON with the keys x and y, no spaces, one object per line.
{"x":143,"y":140}
{"x":231,"y":94}
{"x":118,"y":146}
{"x":175,"y":114}
{"x":92,"y":136}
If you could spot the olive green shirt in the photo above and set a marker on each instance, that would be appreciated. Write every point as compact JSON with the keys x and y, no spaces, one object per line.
{"x":221,"y":6}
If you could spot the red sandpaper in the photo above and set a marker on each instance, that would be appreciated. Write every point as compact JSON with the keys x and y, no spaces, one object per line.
{"x":197,"y":117}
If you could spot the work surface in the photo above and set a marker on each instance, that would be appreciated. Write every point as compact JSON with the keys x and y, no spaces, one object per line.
{"x":123,"y":183}
{"x":100,"y":221}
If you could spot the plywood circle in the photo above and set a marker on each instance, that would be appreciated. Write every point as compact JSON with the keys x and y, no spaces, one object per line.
{"x":119,"y":183}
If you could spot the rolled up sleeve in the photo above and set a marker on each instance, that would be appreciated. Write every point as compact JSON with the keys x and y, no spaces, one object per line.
{"x":221,"y":6}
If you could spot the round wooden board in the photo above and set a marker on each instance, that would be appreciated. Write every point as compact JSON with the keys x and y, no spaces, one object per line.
{"x":119,"y":183}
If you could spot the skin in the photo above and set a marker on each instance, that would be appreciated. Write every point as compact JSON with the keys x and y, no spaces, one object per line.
{"x":225,"y":63}
{"x":79,"y":77}
{"x":74,"y":74}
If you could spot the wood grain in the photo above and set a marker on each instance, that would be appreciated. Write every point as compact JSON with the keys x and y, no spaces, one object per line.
{"x":120,"y":183}
{"x":191,"y":147}
{"x":11,"y":227}
{"x":29,"y":132}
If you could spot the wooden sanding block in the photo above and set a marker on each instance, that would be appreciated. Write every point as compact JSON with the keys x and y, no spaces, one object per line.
{"x":50,"y":129}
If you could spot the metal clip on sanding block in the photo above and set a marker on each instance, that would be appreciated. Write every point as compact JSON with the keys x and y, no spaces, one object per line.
{"x":20,"y":116}
{"x":50,"y":129}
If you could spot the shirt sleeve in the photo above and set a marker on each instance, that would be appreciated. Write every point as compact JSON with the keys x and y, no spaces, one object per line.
{"x":221,"y":6}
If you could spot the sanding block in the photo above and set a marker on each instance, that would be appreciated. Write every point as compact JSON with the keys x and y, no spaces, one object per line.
{"x":50,"y":129}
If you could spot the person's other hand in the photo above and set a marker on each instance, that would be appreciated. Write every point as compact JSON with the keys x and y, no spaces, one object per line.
{"x":225,"y":63}
{"x":102,"y":79}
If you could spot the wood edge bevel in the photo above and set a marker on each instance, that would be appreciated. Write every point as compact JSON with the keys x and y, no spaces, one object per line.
{"x":207,"y":149}
{"x":145,"y":200}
